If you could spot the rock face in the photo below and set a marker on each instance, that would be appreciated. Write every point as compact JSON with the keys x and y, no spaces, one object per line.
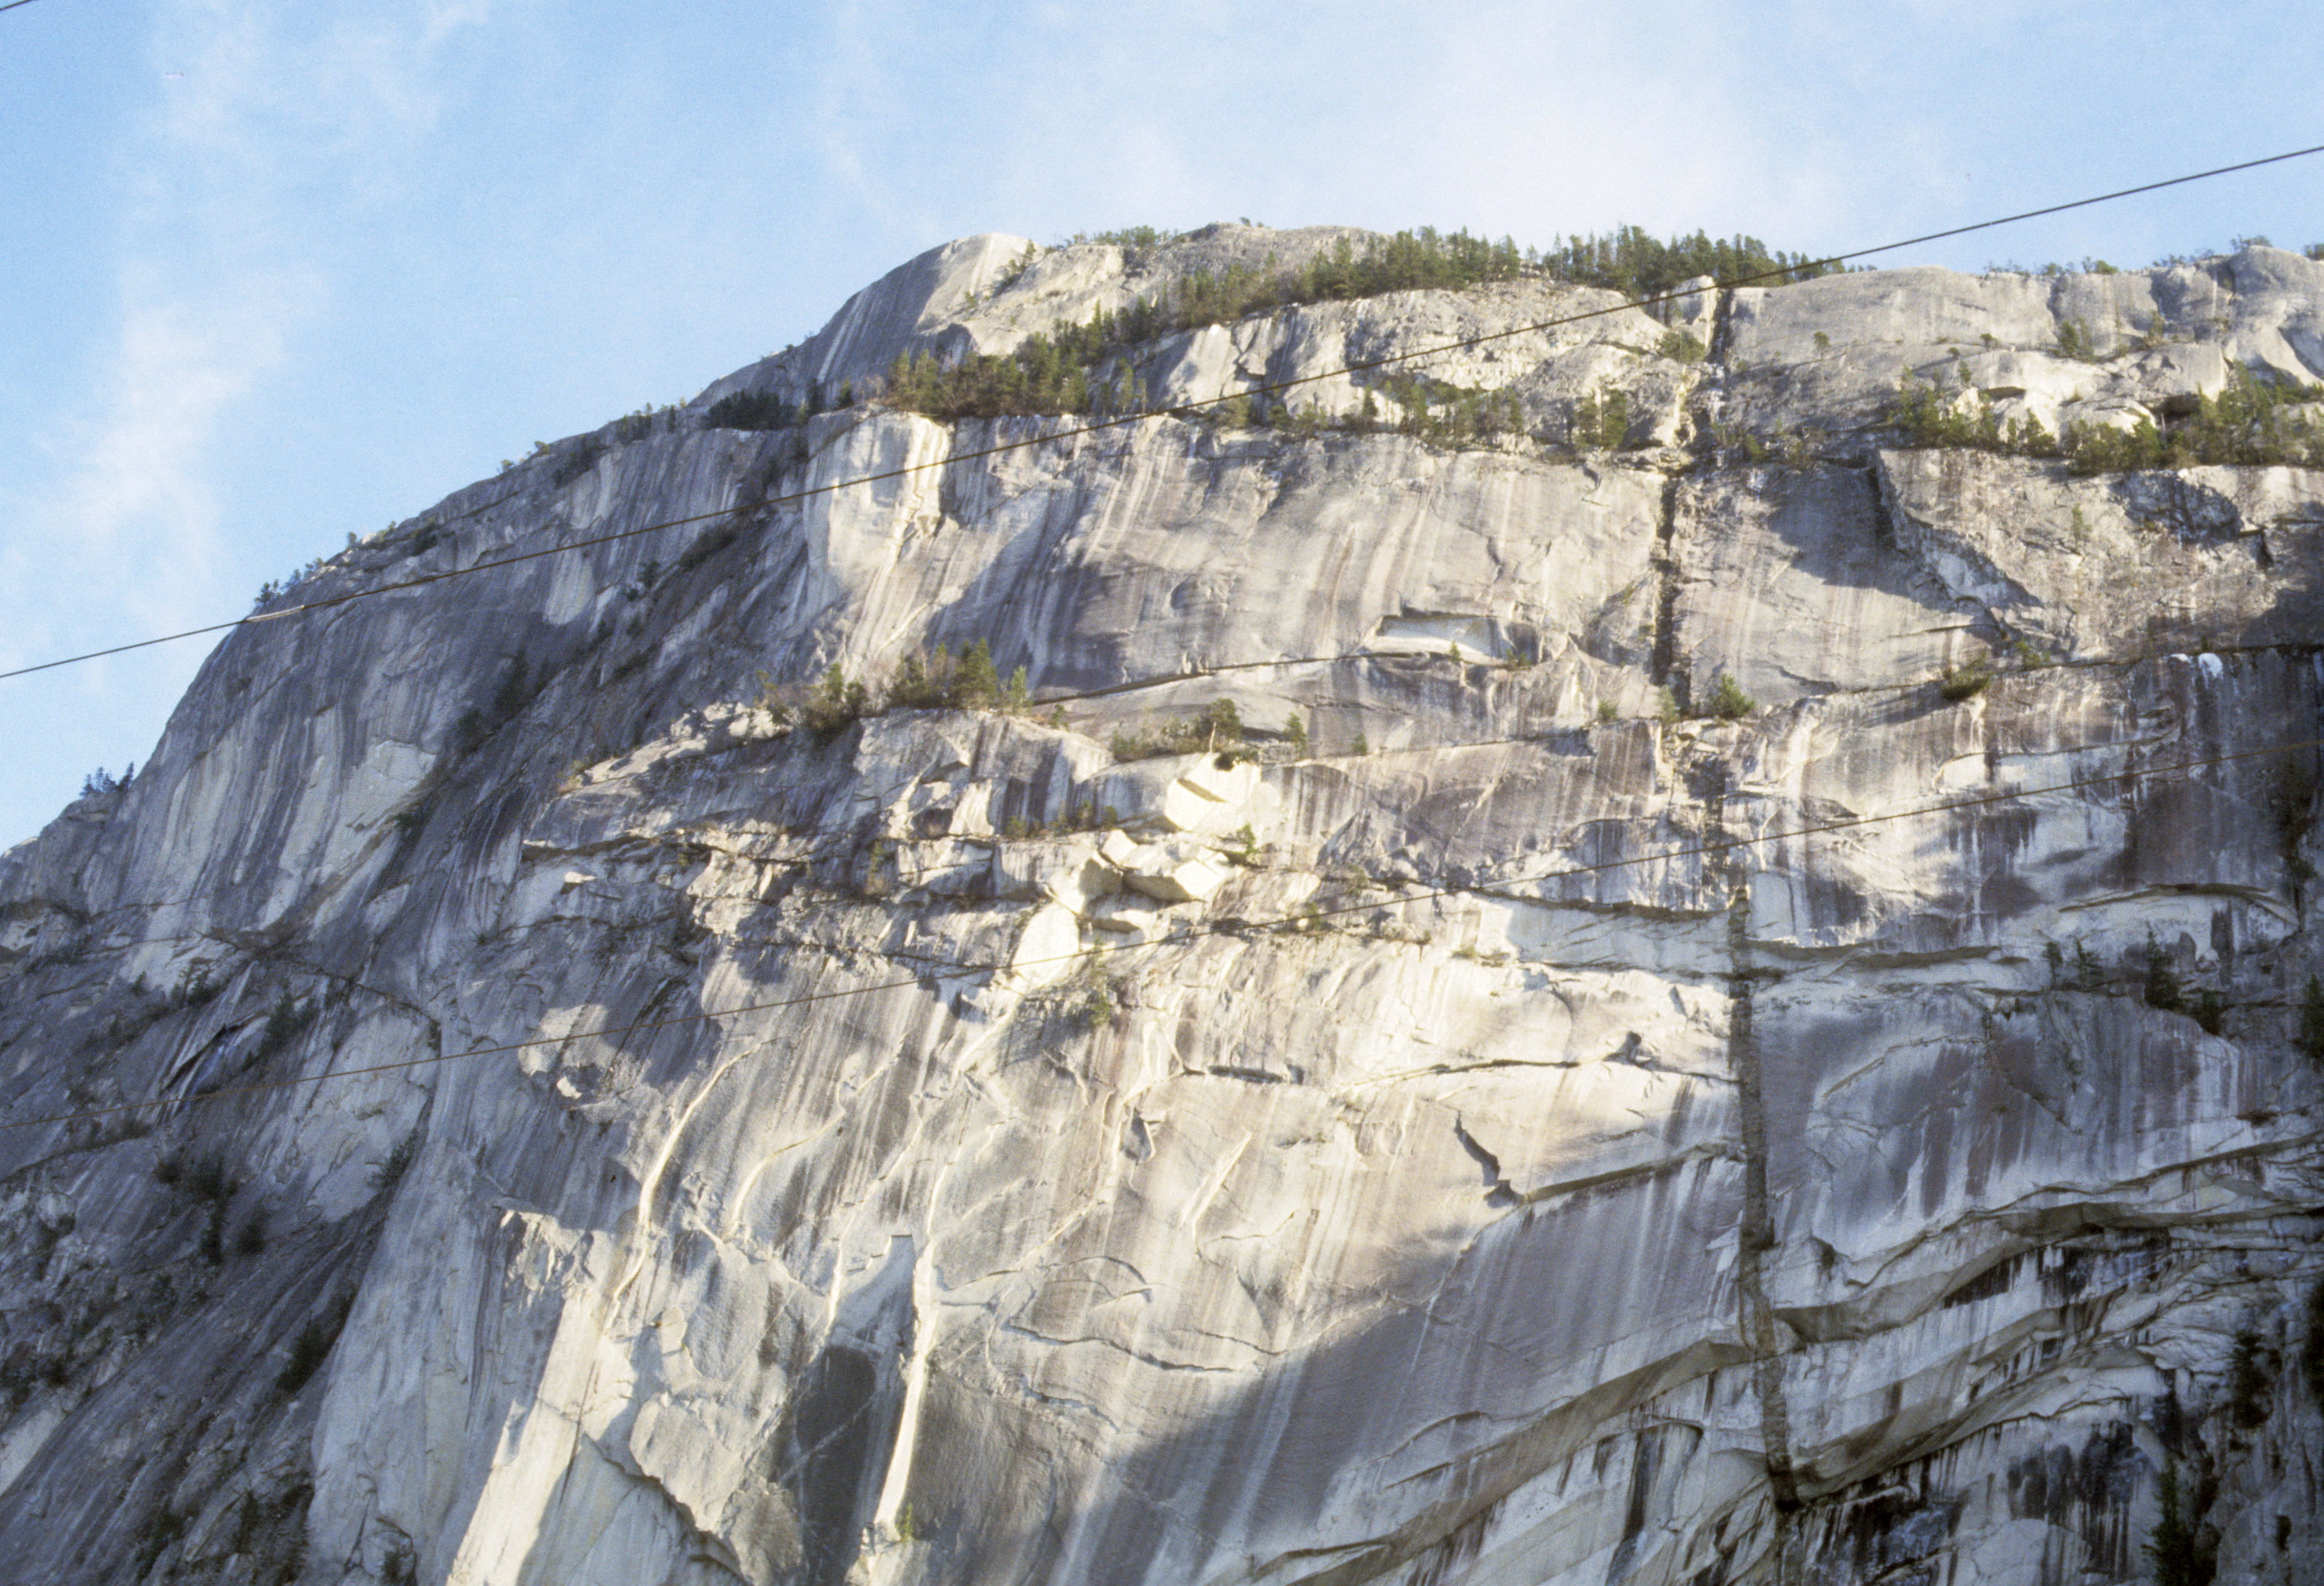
{"x":613,"y":1138}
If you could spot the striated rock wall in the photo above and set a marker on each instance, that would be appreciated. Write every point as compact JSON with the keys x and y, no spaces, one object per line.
{"x":1477,"y":1161}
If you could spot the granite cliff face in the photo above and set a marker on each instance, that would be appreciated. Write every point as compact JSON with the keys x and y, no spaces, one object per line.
{"x":1412,"y":1192}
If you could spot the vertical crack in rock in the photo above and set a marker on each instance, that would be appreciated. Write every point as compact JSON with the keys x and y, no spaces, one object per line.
{"x":1762,"y":1332}
{"x":1722,"y":306}
{"x":1662,"y":664}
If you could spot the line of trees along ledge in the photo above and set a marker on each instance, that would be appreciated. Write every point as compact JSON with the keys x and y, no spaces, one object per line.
{"x":2252,"y":423}
{"x":1084,"y":368}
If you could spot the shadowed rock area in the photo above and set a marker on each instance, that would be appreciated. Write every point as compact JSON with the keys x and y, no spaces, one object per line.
{"x":1475,"y":1113}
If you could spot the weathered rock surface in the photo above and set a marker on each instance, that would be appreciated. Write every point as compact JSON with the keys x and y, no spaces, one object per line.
{"x":613,"y":1137}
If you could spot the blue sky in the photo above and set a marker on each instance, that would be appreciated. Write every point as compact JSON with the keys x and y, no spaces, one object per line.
{"x":274,"y":273}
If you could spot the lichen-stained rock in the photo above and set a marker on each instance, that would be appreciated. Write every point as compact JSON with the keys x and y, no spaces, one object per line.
{"x":635,"y":1108}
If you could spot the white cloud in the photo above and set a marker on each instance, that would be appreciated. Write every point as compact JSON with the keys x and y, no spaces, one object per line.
{"x":224,"y":185}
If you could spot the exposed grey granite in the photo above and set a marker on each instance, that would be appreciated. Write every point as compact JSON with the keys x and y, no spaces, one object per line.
{"x":1392,"y":1201}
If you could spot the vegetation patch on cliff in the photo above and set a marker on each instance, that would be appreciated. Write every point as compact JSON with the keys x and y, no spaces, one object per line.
{"x":1084,"y":368}
{"x":2251,"y":422}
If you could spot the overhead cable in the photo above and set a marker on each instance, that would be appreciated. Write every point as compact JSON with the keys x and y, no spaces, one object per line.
{"x":1175,"y":410}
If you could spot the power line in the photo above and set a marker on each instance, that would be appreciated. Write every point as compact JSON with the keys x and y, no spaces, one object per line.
{"x":14,"y":3}
{"x":1176,"y":411}
{"x":1196,"y":933}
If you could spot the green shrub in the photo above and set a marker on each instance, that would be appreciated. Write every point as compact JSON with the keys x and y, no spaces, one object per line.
{"x":1929,"y":414}
{"x":1295,"y":733}
{"x":284,"y":1021}
{"x":706,"y":545}
{"x":513,"y":691}
{"x":1607,"y":710}
{"x":2162,"y":989}
{"x":1960,"y":683}
{"x":510,"y":696}
{"x":1097,"y":995}
{"x":941,"y":680}
{"x":252,"y":1238}
{"x":308,"y":1351}
{"x":2210,"y":1010}
{"x":2170,"y":1548}
{"x":1041,"y":376}
{"x":1217,"y":728}
{"x":209,"y":1180}
{"x":836,"y":703}
{"x":2250,"y":423}
{"x":1602,"y":420}
{"x":1445,"y":414}
{"x":577,"y":461}
{"x":755,"y":411}
{"x":1084,"y":367}
{"x":1683,"y":347}
{"x":392,"y":1167}
{"x":2248,"y":1381}
{"x":2311,"y":1021}
{"x":1630,"y":262}
{"x":1728,"y":702}
{"x":312,"y":1347}
{"x":2312,"y":1344}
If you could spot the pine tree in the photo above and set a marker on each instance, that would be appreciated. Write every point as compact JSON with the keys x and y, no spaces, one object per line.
{"x":1614,"y":420}
{"x":1728,"y":702}
{"x":1223,"y":723}
{"x":2172,"y":1546}
{"x":2163,"y":989}
{"x":976,"y":681}
{"x":2311,"y":1021}
{"x":910,"y":689}
{"x":836,"y":702}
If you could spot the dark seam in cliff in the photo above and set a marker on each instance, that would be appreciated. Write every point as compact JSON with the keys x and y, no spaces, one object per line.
{"x":1662,"y":663}
{"x":1756,"y":1318}
{"x":1723,"y":307}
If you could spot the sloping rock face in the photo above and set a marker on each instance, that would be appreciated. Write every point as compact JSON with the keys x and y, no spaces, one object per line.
{"x":612,"y":1138}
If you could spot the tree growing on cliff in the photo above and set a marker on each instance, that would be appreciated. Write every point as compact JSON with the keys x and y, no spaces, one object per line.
{"x":2164,"y":990}
{"x":837,"y":701}
{"x":1602,"y":420}
{"x":2311,"y":1021}
{"x":1728,"y":702}
{"x":2171,"y":1547}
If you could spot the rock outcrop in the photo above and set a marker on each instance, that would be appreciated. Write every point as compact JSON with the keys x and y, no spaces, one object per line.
{"x":618,"y":1133}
